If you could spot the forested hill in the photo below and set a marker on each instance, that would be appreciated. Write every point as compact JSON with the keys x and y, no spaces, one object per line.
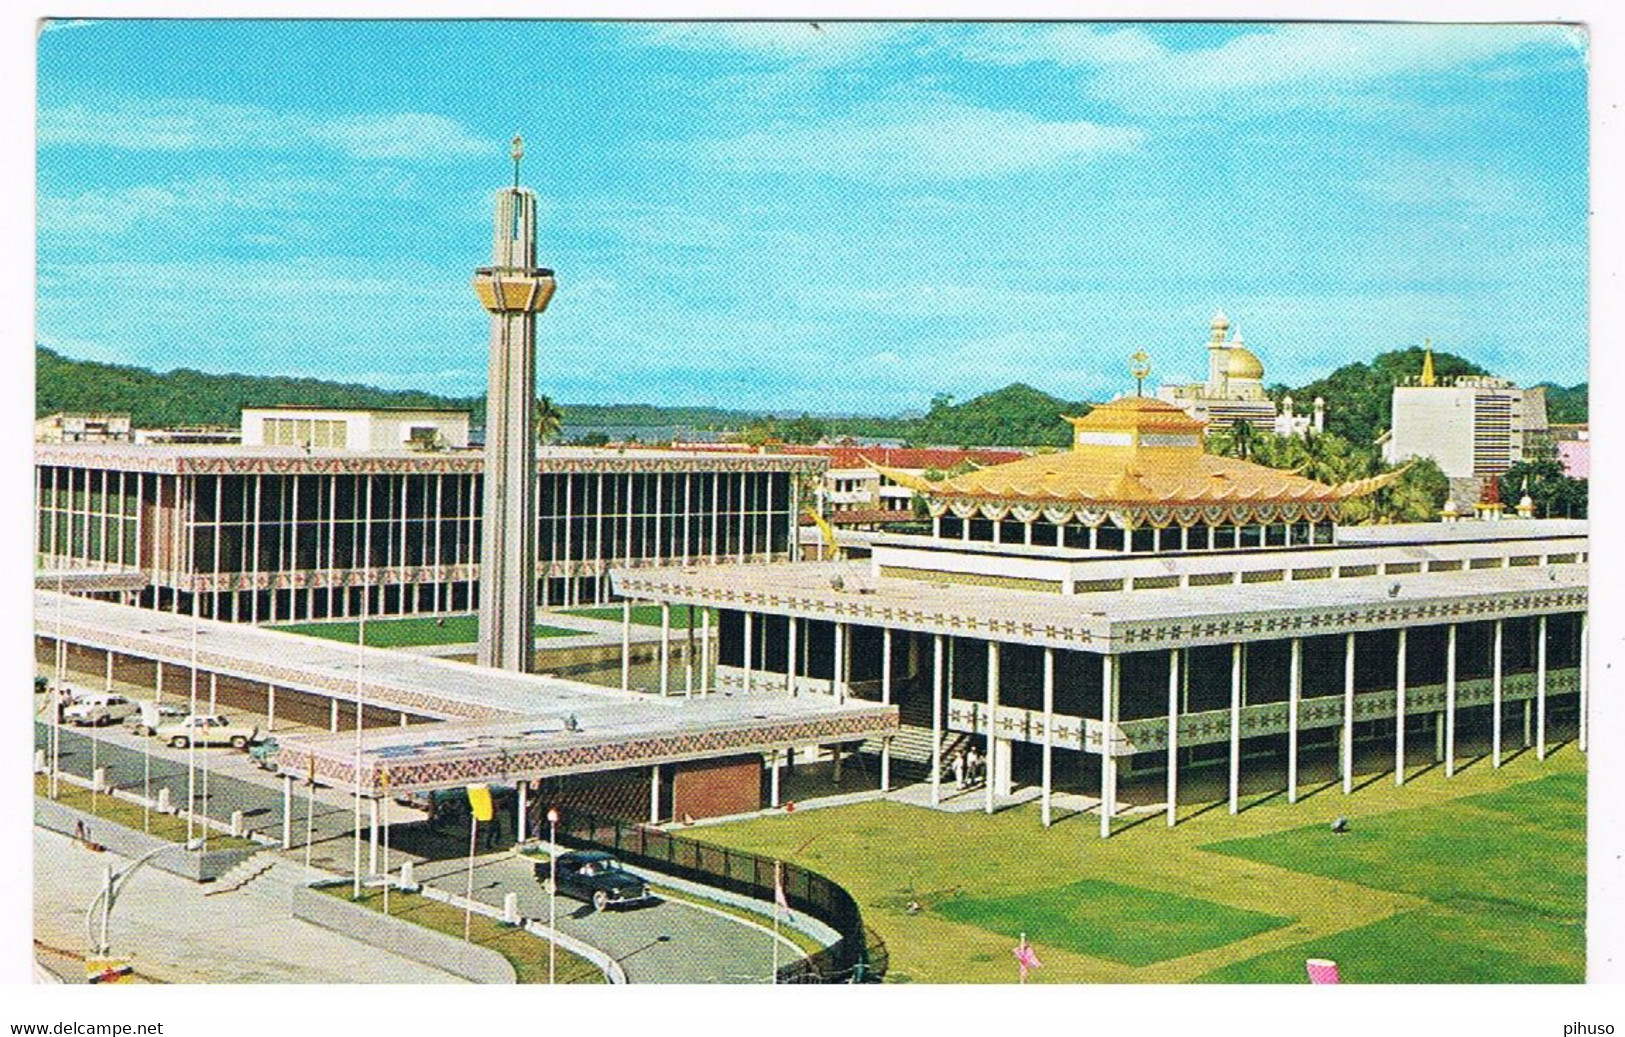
{"x":1359,"y":396}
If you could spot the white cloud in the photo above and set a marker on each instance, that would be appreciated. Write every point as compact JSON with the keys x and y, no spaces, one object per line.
{"x":176,"y":124}
{"x":1132,"y":67}
{"x":821,"y":43}
{"x":937,"y":139}
{"x":1460,"y":186}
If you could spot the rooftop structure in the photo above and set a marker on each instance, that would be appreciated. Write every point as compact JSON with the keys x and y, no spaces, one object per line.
{"x":856,"y":493}
{"x":83,"y":427}
{"x":373,"y":428}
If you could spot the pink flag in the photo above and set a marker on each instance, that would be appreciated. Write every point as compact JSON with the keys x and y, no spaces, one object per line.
{"x":779,"y":898}
{"x":1026,"y":959}
{"x":1322,"y":970}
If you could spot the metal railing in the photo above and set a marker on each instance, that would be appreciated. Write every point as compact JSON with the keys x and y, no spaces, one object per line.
{"x":857,"y":956}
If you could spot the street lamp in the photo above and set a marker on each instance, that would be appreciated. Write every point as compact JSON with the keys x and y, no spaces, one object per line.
{"x":113,"y":884}
{"x":552,"y":892}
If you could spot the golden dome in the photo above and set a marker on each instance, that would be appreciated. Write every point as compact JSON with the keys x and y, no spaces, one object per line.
{"x":1243,"y":364}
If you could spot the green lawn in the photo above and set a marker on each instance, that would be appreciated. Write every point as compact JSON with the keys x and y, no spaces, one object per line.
{"x":1479,"y":877}
{"x":133,"y":815}
{"x":409,"y":632}
{"x":1107,"y":920}
{"x":525,"y":951}
{"x":682,"y":616}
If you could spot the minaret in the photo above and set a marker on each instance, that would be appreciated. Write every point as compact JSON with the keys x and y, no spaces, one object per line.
{"x":514,"y":290}
{"x":1218,"y":355}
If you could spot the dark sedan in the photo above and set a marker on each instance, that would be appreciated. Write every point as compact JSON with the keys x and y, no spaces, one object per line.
{"x":596,"y":878}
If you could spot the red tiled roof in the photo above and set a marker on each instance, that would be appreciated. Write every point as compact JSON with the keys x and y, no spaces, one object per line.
{"x":916,"y":458}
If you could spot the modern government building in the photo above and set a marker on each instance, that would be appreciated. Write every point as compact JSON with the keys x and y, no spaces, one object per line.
{"x":1137,"y":611}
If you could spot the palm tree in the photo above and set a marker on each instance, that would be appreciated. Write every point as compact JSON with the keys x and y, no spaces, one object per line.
{"x":549,"y":419}
{"x":1240,"y":440}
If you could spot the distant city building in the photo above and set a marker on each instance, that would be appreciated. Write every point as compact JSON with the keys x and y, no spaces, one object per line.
{"x":194,"y":434}
{"x":855,"y":493}
{"x":83,"y":427}
{"x":1234,"y":390}
{"x":1473,"y":426}
{"x":373,"y":428}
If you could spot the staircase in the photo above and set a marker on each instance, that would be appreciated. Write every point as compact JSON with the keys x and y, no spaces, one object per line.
{"x":911,"y":751}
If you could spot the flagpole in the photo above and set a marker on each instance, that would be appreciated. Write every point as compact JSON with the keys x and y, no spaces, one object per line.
{"x":778,"y":893}
{"x":468,"y":902}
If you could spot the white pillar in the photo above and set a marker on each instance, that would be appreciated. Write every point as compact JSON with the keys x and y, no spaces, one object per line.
{"x":1294,"y":698}
{"x":665,"y":648}
{"x":790,"y":657}
{"x":270,"y":707}
{"x":1540,"y":692}
{"x":1108,"y":762}
{"x":1173,"y":734}
{"x":1235,"y":727}
{"x":523,"y":812}
{"x":750,"y":648}
{"x":705,"y":648}
{"x":936,"y":720}
{"x":333,"y":714}
{"x":773,"y":778}
{"x":654,"y":794}
{"x":1348,"y":714}
{"x":287,"y":811}
{"x":109,"y":651}
{"x":1049,"y":731}
{"x":836,"y":670}
{"x":1399,"y":709}
{"x":994,"y":749}
{"x":372,"y":835}
{"x":1585,"y":637}
{"x":1450,"y":704}
{"x":885,"y":700}
{"x":1495,"y":697}
{"x":626,"y":645}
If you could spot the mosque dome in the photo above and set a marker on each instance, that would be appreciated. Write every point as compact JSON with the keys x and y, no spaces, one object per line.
{"x":1242,"y":364}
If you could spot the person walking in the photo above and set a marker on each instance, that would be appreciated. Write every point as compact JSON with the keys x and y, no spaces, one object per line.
{"x":959,"y":768}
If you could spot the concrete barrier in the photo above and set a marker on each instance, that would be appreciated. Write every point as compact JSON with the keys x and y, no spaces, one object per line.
{"x":130,"y":843}
{"x":407,"y":939}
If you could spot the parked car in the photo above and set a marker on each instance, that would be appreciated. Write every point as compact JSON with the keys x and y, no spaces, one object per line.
{"x":152,"y":714}
{"x":99,"y":710}
{"x":264,"y":753}
{"x":597,"y":878}
{"x":207,"y":729}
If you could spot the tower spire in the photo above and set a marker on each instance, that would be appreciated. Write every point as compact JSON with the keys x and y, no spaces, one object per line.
{"x":518,"y":153}
{"x":1428,"y":378}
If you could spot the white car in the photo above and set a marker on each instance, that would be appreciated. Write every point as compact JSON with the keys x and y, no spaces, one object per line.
{"x":99,"y":710}
{"x":153,"y":714}
{"x":207,"y":729}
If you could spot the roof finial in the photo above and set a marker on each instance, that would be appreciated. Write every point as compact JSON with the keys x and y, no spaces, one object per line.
{"x":1139,"y":366}
{"x":518,"y":153}
{"x":1428,"y":378}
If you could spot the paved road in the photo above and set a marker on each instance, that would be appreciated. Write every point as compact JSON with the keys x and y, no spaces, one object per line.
{"x":173,"y":930}
{"x":669,"y":942}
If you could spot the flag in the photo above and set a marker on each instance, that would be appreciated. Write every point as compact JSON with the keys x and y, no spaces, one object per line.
{"x":479,"y":801}
{"x":779,"y":899}
{"x":1322,"y":970}
{"x":1026,"y":958}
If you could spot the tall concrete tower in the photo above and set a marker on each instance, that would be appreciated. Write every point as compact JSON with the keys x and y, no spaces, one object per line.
{"x":514,"y":290}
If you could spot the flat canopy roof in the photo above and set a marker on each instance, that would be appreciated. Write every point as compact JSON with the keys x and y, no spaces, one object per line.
{"x":229,"y":458}
{"x":1118,"y":621}
{"x":501,"y":725}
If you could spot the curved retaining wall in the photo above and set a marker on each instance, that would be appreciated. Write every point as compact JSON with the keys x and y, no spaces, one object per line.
{"x":408,"y":939}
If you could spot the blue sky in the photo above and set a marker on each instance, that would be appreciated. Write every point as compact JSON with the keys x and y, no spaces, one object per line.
{"x":845,"y":217}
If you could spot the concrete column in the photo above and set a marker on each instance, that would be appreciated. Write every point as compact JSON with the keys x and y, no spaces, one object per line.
{"x":1173,"y":734}
{"x":790,"y":657}
{"x":1495,"y":697}
{"x":1450,"y":704}
{"x":1235,"y":727}
{"x":1108,"y":762}
{"x":1399,"y":709}
{"x":936,"y":527}
{"x":688,"y":655}
{"x":994,"y":749}
{"x":750,"y":648}
{"x":372,"y":835}
{"x":333,"y":714}
{"x":1348,"y":714}
{"x":665,"y":648}
{"x":936,"y":720}
{"x":705,"y":648}
{"x":885,"y":700}
{"x":1585,"y":681}
{"x":773,"y":778}
{"x":522,"y":821}
{"x":836,"y":669}
{"x":1294,"y":702}
{"x":626,"y":645}
{"x":158,"y":688}
{"x":287,"y":811}
{"x":1540,"y":691}
{"x":109,"y":660}
{"x":270,"y":707}
{"x":1048,"y":733}
{"x":654,"y":794}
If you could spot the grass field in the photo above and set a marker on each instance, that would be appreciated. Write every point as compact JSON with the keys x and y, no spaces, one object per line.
{"x":134,"y":816}
{"x":525,"y":951}
{"x":409,"y":632}
{"x":1476,"y":878}
{"x":682,"y":616}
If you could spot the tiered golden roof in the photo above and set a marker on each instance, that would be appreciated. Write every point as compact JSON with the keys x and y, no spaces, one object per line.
{"x":1137,"y":452}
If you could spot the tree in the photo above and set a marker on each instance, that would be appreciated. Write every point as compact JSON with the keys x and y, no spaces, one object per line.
{"x":549,"y":419}
{"x":1553,"y":493}
{"x":1241,"y":440}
